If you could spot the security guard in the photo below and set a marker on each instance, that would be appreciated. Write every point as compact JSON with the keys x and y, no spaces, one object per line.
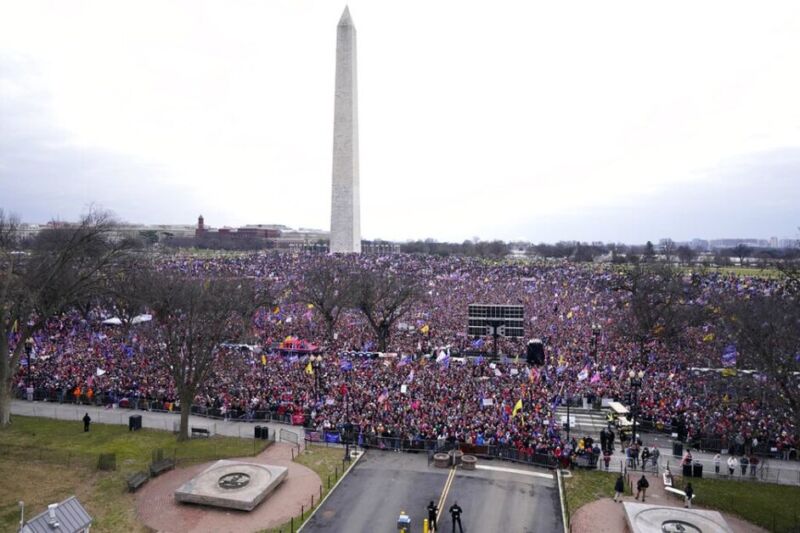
{"x":455,"y":514}
{"x":433,"y":510}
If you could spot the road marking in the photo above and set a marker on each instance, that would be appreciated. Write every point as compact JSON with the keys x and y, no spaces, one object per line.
{"x":445,"y":490}
{"x":514,"y":471}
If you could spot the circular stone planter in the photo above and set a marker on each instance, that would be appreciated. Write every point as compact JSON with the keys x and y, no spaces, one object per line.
{"x":441,"y":460}
{"x":455,"y":457}
{"x":468,"y":462}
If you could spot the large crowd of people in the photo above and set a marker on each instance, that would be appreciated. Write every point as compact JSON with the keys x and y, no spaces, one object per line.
{"x":424,"y":390}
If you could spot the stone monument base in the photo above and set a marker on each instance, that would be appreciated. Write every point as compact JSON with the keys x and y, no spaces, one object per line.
{"x":644,"y":518}
{"x":232,"y":484}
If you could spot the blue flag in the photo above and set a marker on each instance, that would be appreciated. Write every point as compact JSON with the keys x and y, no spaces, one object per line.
{"x":729,"y":356}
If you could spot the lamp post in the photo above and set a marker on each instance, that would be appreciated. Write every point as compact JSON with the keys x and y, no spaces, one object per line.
{"x":635,"y":380}
{"x":569,"y":401}
{"x":347,"y":425}
{"x":28,"y":351}
{"x":595,"y":334}
{"x":316,"y":364}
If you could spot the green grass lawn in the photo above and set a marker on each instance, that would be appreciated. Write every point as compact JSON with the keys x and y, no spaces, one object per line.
{"x":44,"y":461}
{"x":587,"y":486}
{"x":325,"y":461}
{"x":773,"y":507}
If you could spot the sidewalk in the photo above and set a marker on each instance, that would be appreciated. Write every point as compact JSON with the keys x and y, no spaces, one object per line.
{"x":153,"y":420}
{"x":768,"y":470}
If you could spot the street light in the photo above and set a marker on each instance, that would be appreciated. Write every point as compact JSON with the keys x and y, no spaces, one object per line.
{"x":348,"y":427}
{"x":316,"y":364}
{"x":596,"y":328}
{"x":635,"y":380}
{"x":569,"y":401}
{"x":28,"y":352}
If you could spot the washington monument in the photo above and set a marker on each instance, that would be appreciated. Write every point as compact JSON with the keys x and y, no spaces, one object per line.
{"x":345,"y":202}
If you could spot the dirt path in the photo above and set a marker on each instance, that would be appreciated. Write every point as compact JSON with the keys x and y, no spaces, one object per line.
{"x":156,"y":507}
{"x":606,"y":516}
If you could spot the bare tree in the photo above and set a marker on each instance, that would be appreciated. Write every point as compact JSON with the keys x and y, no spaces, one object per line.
{"x":326,"y":286}
{"x":766,"y":330}
{"x":686,"y":255}
{"x":657,"y":304}
{"x":668,"y":248}
{"x":740,"y":251}
{"x":63,"y":268}
{"x":191,"y":318}
{"x":384,"y":298}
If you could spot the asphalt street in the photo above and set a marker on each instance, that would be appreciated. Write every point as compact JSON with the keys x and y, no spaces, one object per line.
{"x":383,"y":484}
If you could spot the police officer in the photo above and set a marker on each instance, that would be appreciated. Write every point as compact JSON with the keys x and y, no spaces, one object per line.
{"x":433,"y":510}
{"x":455,"y":514}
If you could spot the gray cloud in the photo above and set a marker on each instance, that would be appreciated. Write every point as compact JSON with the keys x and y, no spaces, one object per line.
{"x":43,"y":176}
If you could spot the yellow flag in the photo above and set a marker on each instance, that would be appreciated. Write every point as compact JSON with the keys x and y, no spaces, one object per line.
{"x":708,"y":338}
{"x":264,"y":360}
{"x":309,"y":369}
{"x":276,"y":310}
{"x":517,"y":408}
{"x":15,"y":326}
{"x":425,"y":329}
{"x":310,"y":306}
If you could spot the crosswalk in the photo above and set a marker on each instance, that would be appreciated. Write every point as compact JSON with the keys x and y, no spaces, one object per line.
{"x":583,"y":420}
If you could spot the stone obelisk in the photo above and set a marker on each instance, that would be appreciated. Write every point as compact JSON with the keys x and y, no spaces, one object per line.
{"x":345,"y":202}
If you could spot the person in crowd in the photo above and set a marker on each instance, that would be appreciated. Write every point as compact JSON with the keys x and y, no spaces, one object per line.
{"x":687,"y":459}
{"x":732,"y":464}
{"x":641,"y":487}
{"x":645,"y":457}
{"x":455,"y":515}
{"x":716,"y":460}
{"x":753,"y":465}
{"x":86,"y":421}
{"x":689,"y":495}
{"x":743,"y":463}
{"x":619,"y":489}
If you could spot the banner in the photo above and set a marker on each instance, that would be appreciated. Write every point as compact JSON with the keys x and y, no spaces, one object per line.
{"x":729,"y":356}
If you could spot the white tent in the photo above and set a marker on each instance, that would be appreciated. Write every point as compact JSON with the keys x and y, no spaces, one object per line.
{"x":141,"y":318}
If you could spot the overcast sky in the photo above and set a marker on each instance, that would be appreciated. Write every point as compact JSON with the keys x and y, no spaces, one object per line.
{"x":543,"y":121}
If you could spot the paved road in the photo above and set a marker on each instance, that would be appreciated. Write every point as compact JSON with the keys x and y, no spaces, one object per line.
{"x":154,"y":420}
{"x":371,"y":497}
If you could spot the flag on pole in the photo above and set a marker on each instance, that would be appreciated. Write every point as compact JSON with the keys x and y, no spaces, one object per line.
{"x":729,"y":356}
{"x":517,"y":408}
{"x":309,"y":369}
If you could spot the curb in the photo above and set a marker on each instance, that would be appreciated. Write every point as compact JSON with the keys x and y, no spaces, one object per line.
{"x":352,"y":465}
{"x":562,"y":496}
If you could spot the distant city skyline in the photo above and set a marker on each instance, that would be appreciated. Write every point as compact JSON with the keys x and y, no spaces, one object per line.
{"x":621,"y":122}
